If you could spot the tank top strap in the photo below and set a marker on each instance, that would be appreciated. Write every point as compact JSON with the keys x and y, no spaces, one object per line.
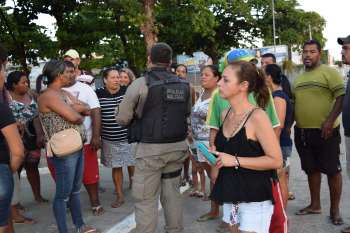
{"x":228,"y":111}
{"x":248,"y":115}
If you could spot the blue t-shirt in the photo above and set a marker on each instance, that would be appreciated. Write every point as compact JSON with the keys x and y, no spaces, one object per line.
{"x":285,"y":139}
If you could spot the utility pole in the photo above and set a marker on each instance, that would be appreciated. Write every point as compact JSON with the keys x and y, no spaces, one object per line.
{"x":310,"y":32}
{"x":274,"y":25}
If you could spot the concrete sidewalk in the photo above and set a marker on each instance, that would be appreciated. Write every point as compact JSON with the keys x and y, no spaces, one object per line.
{"x":192,"y":209}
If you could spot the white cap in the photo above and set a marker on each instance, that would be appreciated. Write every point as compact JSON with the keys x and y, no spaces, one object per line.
{"x":72,"y":53}
{"x":85,"y":78}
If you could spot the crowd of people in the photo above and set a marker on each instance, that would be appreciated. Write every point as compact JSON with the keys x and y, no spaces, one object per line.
{"x":154,"y":125}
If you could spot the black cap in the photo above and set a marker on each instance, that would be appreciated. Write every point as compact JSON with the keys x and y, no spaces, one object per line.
{"x":344,"y":40}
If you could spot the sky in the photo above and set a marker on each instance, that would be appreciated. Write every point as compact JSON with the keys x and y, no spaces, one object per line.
{"x":335,"y":12}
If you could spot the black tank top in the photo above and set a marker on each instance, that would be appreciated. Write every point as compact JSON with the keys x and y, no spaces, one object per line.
{"x":241,"y":185}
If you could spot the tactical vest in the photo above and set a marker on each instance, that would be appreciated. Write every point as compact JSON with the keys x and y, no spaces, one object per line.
{"x":164,"y":117}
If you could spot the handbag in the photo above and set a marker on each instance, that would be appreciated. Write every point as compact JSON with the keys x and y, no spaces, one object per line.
{"x":63,"y":143}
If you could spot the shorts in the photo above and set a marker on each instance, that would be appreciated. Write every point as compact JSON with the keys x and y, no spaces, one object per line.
{"x":286,"y":153}
{"x":253,"y":216}
{"x":91,"y":171}
{"x":6,"y":191}
{"x":317,"y":154}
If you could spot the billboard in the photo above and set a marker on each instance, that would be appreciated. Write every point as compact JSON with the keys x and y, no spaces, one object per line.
{"x":280,"y":51}
{"x":194,"y":63}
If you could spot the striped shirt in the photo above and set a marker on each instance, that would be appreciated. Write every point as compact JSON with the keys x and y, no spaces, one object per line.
{"x":111,"y":130}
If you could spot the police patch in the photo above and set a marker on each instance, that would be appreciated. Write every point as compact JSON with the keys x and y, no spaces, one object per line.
{"x":174,"y":94}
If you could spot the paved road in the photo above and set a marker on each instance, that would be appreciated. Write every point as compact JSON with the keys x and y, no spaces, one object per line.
{"x":193,"y":207}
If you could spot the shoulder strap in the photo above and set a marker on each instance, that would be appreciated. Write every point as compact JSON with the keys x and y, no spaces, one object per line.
{"x":248,"y":115}
{"x":43,"y":127}
{"x":228,"y":111}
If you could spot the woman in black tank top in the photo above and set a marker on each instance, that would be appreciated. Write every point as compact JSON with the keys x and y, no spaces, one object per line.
{"x":247,"y":150}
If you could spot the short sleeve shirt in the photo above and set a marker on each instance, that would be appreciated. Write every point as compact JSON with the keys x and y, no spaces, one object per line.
{"x":87,"y":95}
{"x":6,"y":118}
{"x":314,"y":94}
{"x":218,"y":105}
{"x":111,"y":130}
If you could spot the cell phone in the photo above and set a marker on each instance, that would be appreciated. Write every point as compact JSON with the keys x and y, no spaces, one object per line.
{"x":205,"y":151}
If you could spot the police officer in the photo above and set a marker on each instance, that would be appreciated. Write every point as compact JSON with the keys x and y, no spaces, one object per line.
{"x":157,"y":106}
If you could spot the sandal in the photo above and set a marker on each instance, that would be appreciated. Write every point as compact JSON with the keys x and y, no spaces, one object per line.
{"x":87,"y":229}
{"x":20,"y":207}
{"x":194,"y":193}
{"x":206,"y":217}
{"x":200,"y":195}
{"x":97,"y":210}
{"x":205,"y":197}
{"x":42,"y":200}
{"x":291,"y":196}
{"x":346,"y":230}
{"x":337,"y":221}
{"x":307,"y":211}
{"x":24,"y":220}
{"x":117,"y":204}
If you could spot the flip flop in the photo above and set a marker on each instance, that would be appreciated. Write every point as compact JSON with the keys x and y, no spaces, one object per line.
{"x":117,"y":204}
{"x":20,"y":207}
{"x":206,"y":217}
{"x":42,"y":201}
{"x":200,"y":195}
{"x":205,"y":198}
{"x":307,"y":211}
{"x":97,"y":210}
{"x":193,"y":194}
{"x":25,"y":220}
{"x":87,"y":229}
{"x":337,"y":221}
{"x":291,"y":196}
{"x":346,"y":230}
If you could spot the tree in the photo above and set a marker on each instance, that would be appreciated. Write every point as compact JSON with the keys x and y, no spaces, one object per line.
{"x":25,"y":40}
{"x":212,"y":26}
{"x":292,"y":24}
{"x":148,"y":27}
{"x":106,"y":31}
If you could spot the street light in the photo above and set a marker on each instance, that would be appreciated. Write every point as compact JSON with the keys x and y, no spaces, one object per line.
{"x":274,"y":25}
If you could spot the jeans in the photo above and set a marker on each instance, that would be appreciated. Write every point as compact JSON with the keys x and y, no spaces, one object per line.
{"x":69,"y":176}
{"x":6,"y":190}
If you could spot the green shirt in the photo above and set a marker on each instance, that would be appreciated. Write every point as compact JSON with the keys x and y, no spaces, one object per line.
{"x":218,"y":105}
{"x":315,"y":93}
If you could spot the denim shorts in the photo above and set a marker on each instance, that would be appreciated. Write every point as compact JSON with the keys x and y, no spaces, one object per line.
{"x":6,"y":190}
{"x":254,"y":216}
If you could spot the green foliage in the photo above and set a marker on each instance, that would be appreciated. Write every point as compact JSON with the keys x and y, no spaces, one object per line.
{"x":26,"y":41}
{"x":106,"y":31}
{"x":292,"y":24}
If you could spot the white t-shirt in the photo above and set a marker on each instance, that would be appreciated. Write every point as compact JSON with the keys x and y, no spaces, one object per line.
{"x":87,"y":95}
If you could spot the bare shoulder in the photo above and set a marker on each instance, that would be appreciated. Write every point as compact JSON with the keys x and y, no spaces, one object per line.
{"x":259,"y":117}
{"x":48,"y":95}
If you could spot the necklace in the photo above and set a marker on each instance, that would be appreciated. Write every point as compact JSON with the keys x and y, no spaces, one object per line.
{"x":237,"y":121}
